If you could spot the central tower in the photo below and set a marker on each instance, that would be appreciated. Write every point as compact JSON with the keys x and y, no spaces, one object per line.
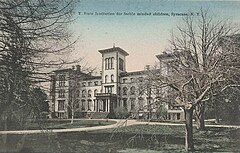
{"x":113,"y":63}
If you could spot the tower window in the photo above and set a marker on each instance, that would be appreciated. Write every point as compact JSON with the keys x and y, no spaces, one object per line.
{"x":95,"y":92}
{"x":120,"y":64}
{"x":106,"y":78}
{"x":112,"y":78}
{"x":61,"y":93}
{"x":61,"y":105}
{"x":108,"y":89}
{"x":109,"y":63}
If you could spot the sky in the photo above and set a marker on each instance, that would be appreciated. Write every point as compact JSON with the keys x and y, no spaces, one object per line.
{"x":142,"y":36}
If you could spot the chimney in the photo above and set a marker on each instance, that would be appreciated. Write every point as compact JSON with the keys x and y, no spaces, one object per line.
{"x":101,"y":73}
{"x":78,"y":68}
{"x":147,"y":67}
{"x":73,"y":67}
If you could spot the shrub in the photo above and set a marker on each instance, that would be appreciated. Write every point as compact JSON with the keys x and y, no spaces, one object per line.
{"x":121,"y":112}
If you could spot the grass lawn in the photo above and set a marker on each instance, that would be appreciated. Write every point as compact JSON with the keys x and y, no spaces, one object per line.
{"x":132,"y":139}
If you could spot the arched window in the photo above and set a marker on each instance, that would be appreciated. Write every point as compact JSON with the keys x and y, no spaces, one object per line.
{"x":132,"y":103}
{"x":89,"y":105}
{"x":112,"y":78}
{"x":109,"y":63}
{"x":125,"y":90}
{"x":95,"y":92}
{"x":132,"y":90}
{"x":119,"y":90}
{"x":132,"y":80}
{"x":140,"y":103}
{"x":89,"y":93}
{"x":106,"y":63}
{"x":84,"y":93}
{"x":61,"y":93}
{"x":77,"y":93}
{"x":83,"y":104}
{"x":112,"y":59}
{"x":106,"y":78}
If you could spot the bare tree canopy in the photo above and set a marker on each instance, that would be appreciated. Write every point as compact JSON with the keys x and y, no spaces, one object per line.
{"x":202,"y":57}
{"x":32,"y":34}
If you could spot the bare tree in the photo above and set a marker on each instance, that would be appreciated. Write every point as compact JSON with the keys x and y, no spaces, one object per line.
{"x":196,"y":61}
{"x":33,"y":36}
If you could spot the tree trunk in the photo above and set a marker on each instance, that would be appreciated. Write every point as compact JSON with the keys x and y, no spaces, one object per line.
{"x":72,"y":117}
{"x":200,"y":110}
{"x":189,"y":145}
{"x":217,"y":121}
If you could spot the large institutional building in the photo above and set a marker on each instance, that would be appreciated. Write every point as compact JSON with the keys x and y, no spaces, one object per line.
{"x":72,"y":90}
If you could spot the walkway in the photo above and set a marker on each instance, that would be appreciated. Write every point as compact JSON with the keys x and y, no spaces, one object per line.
{"x":119,"y":123}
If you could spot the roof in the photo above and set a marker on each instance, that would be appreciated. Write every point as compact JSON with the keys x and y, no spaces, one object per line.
{"x":133,"y":73}
{"x":63,"y":70}
{"x":124,"y":74}
{"x":92,"y":78}
{"x":114,"y":49}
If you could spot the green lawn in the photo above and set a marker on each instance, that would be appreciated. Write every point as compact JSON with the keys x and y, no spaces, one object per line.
{"x":132,"y":139}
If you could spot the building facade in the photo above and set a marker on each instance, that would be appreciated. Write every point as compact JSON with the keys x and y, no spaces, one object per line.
{"x":72,"y":90}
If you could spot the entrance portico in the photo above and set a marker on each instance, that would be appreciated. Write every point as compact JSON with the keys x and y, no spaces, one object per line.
{"x":105,"y":102}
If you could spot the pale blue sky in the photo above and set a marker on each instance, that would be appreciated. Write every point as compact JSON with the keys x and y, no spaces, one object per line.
{"x":142,"y":37}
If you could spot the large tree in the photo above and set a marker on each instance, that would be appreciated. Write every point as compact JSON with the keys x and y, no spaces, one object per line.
{"x":32,"y":34}
{"x":196,"y":60}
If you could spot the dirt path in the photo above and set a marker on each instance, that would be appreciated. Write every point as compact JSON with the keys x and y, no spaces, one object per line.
{"x":119,"y":123}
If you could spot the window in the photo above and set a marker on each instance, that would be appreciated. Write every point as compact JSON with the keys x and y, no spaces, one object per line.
{"x":61,"y":83}
{"x":120,"y":64}
{"x":112,"y":60}
{"x":106,"y":63}
{"x":77,"y":93}
{"x":132,"y":90}
{"x":61,"y":93}
{"x":89,"y":105}
{"x":95,"y":92}
{"x":178,"y":116}
{"x":61,"y":105}
{"x":124,"y":80}
{"x":106,"y":78}
{"x":108,"y":89}
{"x":132,"y":103}
{"x":125,"y":103}
{"x":125,"y":90}
{"x":83,"y":104}
{"x":61,"y":77}
{"x":140,"y":79}
{"x":140,"y":101}
{"x":84,"y":93}
{"x":95,"y":83}
{"x":89,"y":93}
{"x":119,"y":90}
{"x":89,"y":83}
{"x":61,"y":80}
{"x":132,"y":80}
{"x":109,"y":62}
{"x":112,"y":78}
